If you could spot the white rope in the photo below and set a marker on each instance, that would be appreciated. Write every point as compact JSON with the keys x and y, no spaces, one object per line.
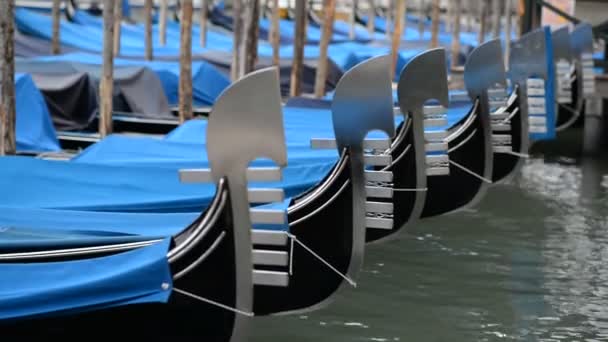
{"x":517,"y":154}
{"x":291,"y":258}
{"x":412,"y":190}
{"x":345,"y":277}
{"x":470,"y":172}
{"x":214,"y":303}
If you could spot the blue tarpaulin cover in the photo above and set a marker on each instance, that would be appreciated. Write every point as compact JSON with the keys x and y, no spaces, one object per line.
{"x":41,"y":289}
{"x":34,"y":127}
{"x":87,"y":37}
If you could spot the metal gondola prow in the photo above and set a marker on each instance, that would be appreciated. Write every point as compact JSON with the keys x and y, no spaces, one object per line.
{"x":244,"y":126}
{"x":529,"y":70}
{"x":415,"y":88}
{"x":485,"y":81}
{"x":562,"y":57}
{"x":363,"y":103}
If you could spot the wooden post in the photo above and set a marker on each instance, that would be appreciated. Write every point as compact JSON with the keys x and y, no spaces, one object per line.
{"x":107,"y":74}
{"x":421,"y":17}
{"x":470,"y":15}
{"x":329,"y":12}
{"x":352,"y":19}
{"x":298,"y":49}
{"x":7,"y":79}
{"x":496,"y":15}
{"x":508,"y":28}
{"x":117,"y":26}
{"x":371,"y":20}
{"x":56,"y":14}
{"x":252,"y":33}
{"x":435,"y":24}
{"x":203,"y":22}
{"x":162,"y":24}
{"x":148,"y":27}
{"x":275,"y":33}
{"x":388,"y":20}
{"x":457,"y":8}
{"x":400,"y":9}
{"x":185,"y":62}
{"x":483,"y":11}
{"x":237,"y":42}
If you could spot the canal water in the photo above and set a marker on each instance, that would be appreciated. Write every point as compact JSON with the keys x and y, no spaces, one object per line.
{"x":530,"y":263}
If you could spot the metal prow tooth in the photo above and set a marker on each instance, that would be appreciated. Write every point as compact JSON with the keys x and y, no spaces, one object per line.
{"x":260,"y":135}
{"x":359,"y":108}
{"x":414,"y":94}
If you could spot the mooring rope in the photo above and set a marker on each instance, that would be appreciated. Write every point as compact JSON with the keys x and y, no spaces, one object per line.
{"x":517,"y":154}
{"x":470,"y":172}
{"x":214,"y":303}
{"x":344,"y":276}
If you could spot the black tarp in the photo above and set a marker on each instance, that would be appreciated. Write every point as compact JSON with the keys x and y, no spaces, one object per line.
{"x":71,"y":91}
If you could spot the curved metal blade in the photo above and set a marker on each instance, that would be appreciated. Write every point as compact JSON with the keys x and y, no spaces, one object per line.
{"x":484,"y":69}
{"x":527,"y":57}
{"x":561,"y":44}
{"x":246,"y":123}
{"x":363,"y":102}
{"x":424,"y":78}
{"x":581,"y":40}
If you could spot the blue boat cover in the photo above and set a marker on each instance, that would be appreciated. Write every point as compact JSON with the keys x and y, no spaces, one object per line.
{"x":42,"y":289}
{"x":34,"y":127}
{"x":87,"y":37}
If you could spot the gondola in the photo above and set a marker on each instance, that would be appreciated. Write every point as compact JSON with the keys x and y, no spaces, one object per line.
{"x":469,"y":150}
{"x":419,"y":82}
{"x":329,"y":221}
{"x":202,"y":301}
{"x":582,"y":76}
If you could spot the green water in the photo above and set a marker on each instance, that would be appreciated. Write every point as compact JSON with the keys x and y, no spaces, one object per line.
{"x":527,"y":264}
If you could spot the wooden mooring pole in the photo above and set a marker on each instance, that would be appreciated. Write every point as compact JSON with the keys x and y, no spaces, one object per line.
{"x":496,"y":17}
{"x":371,"y":17}
{"x":435,"y":24}
{"x":275,"y":34}
{"x":508,"y":29}
{"x":117,"y":26}
{"x":329,"y":13}
{"x":400,"y":9}
{"x":457,"y":8}
{"x":421,"y":16}
{"x":352,"y":19}
{"x":483,"y":12}
{"x":185,"y":62}
{"x":298,"y":47}
{"x":252,"y":29}
{"x":107,"y":74}
{"x":7,"y":79}
{"x":237,"y":42}
{"x":204,"y":14}
{"x":148,"y":26}
{"x":56,"y":14}
{"x":162,"y":23}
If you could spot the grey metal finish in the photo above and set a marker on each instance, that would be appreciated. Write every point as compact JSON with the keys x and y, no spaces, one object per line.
{"x":526,"y":61}
{"x":422,"y":80}
{"x":483,"y":70}
{"x":363,"y":102}
{"x":582,"y":46}
{"x":581,"y":40}
{"x":561,"y":44}
{"x":245,"y":125}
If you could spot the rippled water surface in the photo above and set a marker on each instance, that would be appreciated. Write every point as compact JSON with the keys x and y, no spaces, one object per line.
{"x":530,"y":263}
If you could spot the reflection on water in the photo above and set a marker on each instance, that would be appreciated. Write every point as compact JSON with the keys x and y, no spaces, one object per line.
{"x":530,"y":263}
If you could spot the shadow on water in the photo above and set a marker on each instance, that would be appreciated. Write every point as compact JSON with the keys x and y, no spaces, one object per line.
{"x":527,"y":264}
